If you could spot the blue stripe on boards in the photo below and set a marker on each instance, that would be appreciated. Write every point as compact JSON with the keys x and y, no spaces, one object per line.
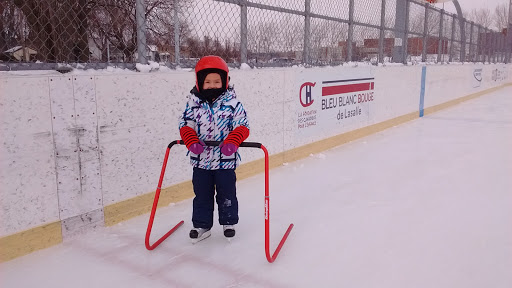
{"x":422,"y":93}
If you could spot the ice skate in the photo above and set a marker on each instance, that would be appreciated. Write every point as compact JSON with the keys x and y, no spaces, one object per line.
{"x":229,"y":231}
{"x":198,"y":234}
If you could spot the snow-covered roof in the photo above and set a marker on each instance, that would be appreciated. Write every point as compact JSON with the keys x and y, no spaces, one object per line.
{"x":13,"y":49}
{"x":17,"y":48}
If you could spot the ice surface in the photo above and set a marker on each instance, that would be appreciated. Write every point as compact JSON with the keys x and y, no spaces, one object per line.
{"x":426,"y":204}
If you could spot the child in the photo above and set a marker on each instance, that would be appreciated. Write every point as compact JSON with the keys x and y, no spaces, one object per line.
{"x":213,"y":113}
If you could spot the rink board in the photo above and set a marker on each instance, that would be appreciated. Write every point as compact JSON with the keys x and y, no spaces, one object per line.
{"x":83,"y":151}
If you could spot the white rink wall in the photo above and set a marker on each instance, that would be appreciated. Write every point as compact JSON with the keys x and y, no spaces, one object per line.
{"x":75,"y":143}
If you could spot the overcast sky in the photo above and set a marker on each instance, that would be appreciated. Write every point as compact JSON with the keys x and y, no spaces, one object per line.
{"x":469,"y":5}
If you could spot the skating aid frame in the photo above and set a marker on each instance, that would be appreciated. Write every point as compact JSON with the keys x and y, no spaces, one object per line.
{"x":270,"y":257}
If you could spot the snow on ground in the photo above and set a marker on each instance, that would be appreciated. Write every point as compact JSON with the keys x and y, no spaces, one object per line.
{"x":424,"y":204}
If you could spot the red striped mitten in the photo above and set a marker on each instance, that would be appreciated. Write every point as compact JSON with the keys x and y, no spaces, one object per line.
{"x":232,"y":142}
{"x":189,"y":137}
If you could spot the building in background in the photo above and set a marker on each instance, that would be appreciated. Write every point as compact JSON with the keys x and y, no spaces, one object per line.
{"x":20,"y":53}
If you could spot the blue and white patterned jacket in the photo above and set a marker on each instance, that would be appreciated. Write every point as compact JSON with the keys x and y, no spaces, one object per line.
{"x":213,"y":122}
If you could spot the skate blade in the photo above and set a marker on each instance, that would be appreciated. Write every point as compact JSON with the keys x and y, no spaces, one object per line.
{"x":204,"y":236}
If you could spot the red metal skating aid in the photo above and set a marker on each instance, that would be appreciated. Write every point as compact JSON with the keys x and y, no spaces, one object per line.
{"x":155,"y":204}
{"x":270,"y":258}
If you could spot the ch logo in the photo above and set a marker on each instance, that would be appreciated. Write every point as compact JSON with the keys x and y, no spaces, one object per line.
{"x":477,"y":73}
{"x":309,"y":99}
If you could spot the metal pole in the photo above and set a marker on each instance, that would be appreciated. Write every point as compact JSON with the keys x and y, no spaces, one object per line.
{"x":108,"y":51}
{"x":243,"y":31}
{"x":500,"y":48}
{"x":496,"y":46}
{"x":503,"y":48}
{"x":508,"y":44}
{"x":307,"y":32}
{"x":488,"y":43}
{"x":485,"y":44}
{"x":440,"y":42}
{"x":399,"y":30}
{"x":450,"y":58}
{"x":462,"y":31}
{"x":140,"y":15}
{"x":406,"y":32}
{"x":176,"y":33}
{"x":491,"y":43}
{"x":350,"y":29}
{"x":425,"y":34}
{"x":487,"y":48}
{"x":479,"y":45}
{"x":471,"y":47}
{"x":382,"y":27}
{"x":493,"y":46}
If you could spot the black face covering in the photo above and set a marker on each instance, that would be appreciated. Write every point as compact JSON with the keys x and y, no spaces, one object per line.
{"x":211,"y":94}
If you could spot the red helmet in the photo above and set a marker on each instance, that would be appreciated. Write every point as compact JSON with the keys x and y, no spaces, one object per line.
{"x":212,"y":62}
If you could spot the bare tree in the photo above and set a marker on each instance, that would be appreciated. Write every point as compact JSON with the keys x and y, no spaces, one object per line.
{"x":417,"y":22}
{"x":262,"y":37}
{"x":57,"y":29}
{"x":293,"y":35}
{"x":481,"y":16}
{"x":252,"y":39}
{"x":11,"y":25}
{"x":318,"y":39}
{"x":193,"y":45}
{"x":160,"y":23}
{"x":501,"y":16}
{"x":266,"y":36}
{"x":113,"y":23}
{"x":60,"y":31}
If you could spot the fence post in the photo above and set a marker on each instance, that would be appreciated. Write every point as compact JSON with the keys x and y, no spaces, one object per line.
{"x":243,"y":31}
{"x":398,"y":30}
{"x":350,"y":29}
{"x":485,"y":47}
{"x":176,"y":33}
{"x":382,"y":27}
{"x":140,"y":15}
{"x":508,"y":42}
{"x":307,"y":32}
{"x":406,"y":32}
{"x":493,"y":47}
{"x":478,"y":46}
{"x":450,"y":58}
{"x":500,"y":48}
{"x":496,"y":47}
{"x":503,"y":48}
{"x":491,"y":43}
{"x":425,"y":34}
{"x":488,"y":42}
{"x":440,"y":42}
{"x":471,"y":48}
{"x":462,"y":25}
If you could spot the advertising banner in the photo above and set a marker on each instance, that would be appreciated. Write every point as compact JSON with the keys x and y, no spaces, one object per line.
{"x":327,"y":100}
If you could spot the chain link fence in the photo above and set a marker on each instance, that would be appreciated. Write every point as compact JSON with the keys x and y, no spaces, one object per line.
{"x":98,"y":33}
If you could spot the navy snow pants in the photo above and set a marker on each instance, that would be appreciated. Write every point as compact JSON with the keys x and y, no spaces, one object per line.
{"x":205,"y":183}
